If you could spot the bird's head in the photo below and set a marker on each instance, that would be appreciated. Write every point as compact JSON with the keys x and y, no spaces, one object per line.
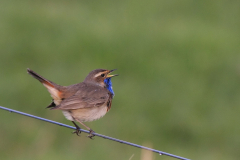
{"x":100,"y":77}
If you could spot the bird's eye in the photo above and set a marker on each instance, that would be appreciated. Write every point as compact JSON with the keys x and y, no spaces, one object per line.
{"x":102,"y":75}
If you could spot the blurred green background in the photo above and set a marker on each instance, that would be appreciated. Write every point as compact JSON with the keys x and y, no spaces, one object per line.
{"x":179,"y":83}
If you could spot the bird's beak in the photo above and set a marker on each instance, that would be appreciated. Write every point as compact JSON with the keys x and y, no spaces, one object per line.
{"x":109,"y":76}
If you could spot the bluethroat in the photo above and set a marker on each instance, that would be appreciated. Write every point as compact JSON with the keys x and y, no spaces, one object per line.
{"x":82,"y":102}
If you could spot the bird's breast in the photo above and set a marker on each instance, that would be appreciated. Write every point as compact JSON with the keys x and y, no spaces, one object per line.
{"x":86,"y":114}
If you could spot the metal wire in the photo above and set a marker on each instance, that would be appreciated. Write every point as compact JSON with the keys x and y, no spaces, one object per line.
{"x":96,"y":134}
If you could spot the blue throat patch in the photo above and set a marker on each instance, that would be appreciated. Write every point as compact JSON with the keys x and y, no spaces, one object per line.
{"x":108,"y":82}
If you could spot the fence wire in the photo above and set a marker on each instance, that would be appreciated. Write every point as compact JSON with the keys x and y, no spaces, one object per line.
{"x":96,"y":134}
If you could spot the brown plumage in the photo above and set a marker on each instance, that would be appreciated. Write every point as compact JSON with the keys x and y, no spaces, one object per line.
{"x":86,"y":101}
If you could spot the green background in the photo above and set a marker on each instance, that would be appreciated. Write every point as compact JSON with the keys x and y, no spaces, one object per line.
{"x":179,"y":83}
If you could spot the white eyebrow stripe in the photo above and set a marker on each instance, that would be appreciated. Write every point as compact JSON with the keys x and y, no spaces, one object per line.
{"x":97,"y":75}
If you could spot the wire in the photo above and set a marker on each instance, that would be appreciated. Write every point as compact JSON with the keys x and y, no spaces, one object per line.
{"x":96,"y":134}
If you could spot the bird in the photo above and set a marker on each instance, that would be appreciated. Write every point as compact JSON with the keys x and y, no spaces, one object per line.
{"x":82,"y":102}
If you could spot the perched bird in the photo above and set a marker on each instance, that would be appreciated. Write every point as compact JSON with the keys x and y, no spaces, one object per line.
{"x":82,"y":102}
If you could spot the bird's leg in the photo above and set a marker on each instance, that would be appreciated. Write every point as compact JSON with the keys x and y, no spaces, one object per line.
{"x":77,"y":131}
{"x":90,"y":130}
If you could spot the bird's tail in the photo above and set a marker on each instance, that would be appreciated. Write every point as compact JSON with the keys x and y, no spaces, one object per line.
{"x":40,"y":78}
{"x":54,"y":89}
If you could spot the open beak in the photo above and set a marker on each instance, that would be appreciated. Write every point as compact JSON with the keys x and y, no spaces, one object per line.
{"x":109,"y":76}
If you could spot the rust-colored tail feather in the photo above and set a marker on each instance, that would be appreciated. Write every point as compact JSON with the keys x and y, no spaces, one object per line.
{"x":40,"y":78}
{"x":54,"y":89}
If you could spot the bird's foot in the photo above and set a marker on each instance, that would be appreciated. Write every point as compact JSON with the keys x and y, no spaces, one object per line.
{"x":77,"y":132}
{"x":91,"y":134}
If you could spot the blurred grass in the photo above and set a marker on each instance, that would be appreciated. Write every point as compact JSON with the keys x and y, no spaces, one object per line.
{"x":178,"y":86}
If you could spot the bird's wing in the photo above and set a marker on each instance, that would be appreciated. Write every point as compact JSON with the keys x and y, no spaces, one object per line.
{"x":86,"y":97}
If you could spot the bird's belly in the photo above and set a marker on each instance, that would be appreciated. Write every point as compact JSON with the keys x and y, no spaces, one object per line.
{"x":86,"y":114}
{"x":68,"y":115}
